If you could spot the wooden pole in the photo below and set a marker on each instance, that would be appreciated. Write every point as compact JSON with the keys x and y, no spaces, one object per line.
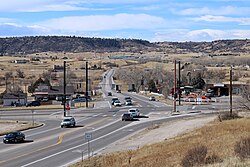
{"x":231,"y":92}
{"x":175,"y":86}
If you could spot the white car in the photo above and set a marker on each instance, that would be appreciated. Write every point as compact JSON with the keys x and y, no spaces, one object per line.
{"x":68,"y":121}
{"x":128,"y":102}
{"x":134,"y":112}
{"x":117,"y":103}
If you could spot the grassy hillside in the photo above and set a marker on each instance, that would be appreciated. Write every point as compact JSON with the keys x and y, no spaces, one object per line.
{"x":212,"y":145}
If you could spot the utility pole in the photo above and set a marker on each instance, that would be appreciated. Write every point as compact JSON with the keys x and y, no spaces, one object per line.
{"x":179,"y":83}
{"x":174,"y":86}
{"x":231,"y":92}
{"x":64,"y":88}
{"x":86,"y":91}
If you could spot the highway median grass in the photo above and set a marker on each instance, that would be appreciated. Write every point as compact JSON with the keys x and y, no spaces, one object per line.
{"x":213,"y":145}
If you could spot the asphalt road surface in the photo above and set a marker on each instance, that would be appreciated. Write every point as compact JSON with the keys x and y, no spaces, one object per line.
{"x":51,"y":145}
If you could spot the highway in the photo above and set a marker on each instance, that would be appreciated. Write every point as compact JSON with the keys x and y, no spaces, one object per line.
{"x":51,"y":145}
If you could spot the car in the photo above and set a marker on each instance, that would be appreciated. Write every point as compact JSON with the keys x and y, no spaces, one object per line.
{"x":113,"y":100}
{"x":45,"y":99}
{"x":151,"y":98}
{"x":33,"y":103}
{"x":68,"y":121}
{"x":117,"y":103}
{"x":127,"y":98}
{"x":109,"y":94}
{"x":14,"y":137}
{"x":134,"y":112}
{"x":118,"y":91}
{"x":127,"y":117}
{"x":128,"y":102}
{"x":79,"y":99}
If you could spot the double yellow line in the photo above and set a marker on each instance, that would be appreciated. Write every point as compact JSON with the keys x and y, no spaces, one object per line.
{"x":60,"y":139}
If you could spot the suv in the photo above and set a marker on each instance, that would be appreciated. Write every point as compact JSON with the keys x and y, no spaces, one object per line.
{"x":134,"y":112}
{"x":127,"y":117}
{"x":68,"y":121}
{"x":33,"y":103}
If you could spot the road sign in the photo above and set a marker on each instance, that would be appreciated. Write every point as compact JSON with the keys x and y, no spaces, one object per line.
{"x":88,"y":136}
{"x":67,"y":106}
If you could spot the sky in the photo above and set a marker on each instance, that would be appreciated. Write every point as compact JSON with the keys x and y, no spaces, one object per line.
{"x":152,"y":20}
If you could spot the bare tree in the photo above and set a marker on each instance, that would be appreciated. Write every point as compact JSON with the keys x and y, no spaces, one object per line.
{"x":20,"y":73}
{"x":245,"y":102}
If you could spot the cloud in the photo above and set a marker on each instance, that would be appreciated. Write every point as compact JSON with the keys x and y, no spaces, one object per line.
{"x":200,"y":35}
{"x":147,"y":8}
{"x":62,"y":5}
{"x":13,"y":29}
{"x":104,"y":22}
{"x":225,"y":10}
{"x":4,"y":20}
{"x":210,"y":18}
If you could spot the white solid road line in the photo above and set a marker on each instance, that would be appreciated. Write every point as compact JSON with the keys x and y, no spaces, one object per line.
{"x":73,"y":148}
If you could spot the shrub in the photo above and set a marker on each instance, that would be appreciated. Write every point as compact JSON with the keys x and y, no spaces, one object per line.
{"x":242,"y":148}
{"x":228,"y":116}
{"x":195,"y":156}
{"x":213,"y":159}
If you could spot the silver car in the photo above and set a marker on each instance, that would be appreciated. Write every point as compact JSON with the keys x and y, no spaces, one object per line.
{"x":68,"y":122}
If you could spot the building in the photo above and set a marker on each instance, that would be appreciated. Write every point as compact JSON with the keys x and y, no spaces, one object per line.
{"x":223,"y":89}
{"x":10,"y":99}
{"x":51,"y":92}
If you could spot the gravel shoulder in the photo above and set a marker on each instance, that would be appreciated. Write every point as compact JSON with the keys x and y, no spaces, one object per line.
{"x":157,"y":133}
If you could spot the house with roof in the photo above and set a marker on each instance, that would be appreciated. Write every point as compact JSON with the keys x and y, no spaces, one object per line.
{"x":52,"y":92}
{"x":11,"y":99}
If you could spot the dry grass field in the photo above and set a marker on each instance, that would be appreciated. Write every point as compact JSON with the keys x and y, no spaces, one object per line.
{"x":34,"y":70}
{"x":218,"y":139}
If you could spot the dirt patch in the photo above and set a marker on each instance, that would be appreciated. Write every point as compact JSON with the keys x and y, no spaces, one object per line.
{"x":9,"y":126}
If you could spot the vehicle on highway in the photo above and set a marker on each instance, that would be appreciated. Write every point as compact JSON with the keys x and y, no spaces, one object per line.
{"x":128,"y":102}
{"x":14,"y":137}
{"x":109,"y":93}
{"x":151,"y":98}
{"x":68,"y":121}
{"x":134,"y":112}
{"x":127,"y":98}
{"x":113,"y":100}
{"x":127,"y":117}
{"x":117,"y":103}
{"x":33,"y":103}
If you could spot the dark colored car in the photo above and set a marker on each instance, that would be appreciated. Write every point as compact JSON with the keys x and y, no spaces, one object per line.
{"x":33,"y":103}
{"x":109,"y":94}
{"x":127,"y":117}
{"x":14,"y":137}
